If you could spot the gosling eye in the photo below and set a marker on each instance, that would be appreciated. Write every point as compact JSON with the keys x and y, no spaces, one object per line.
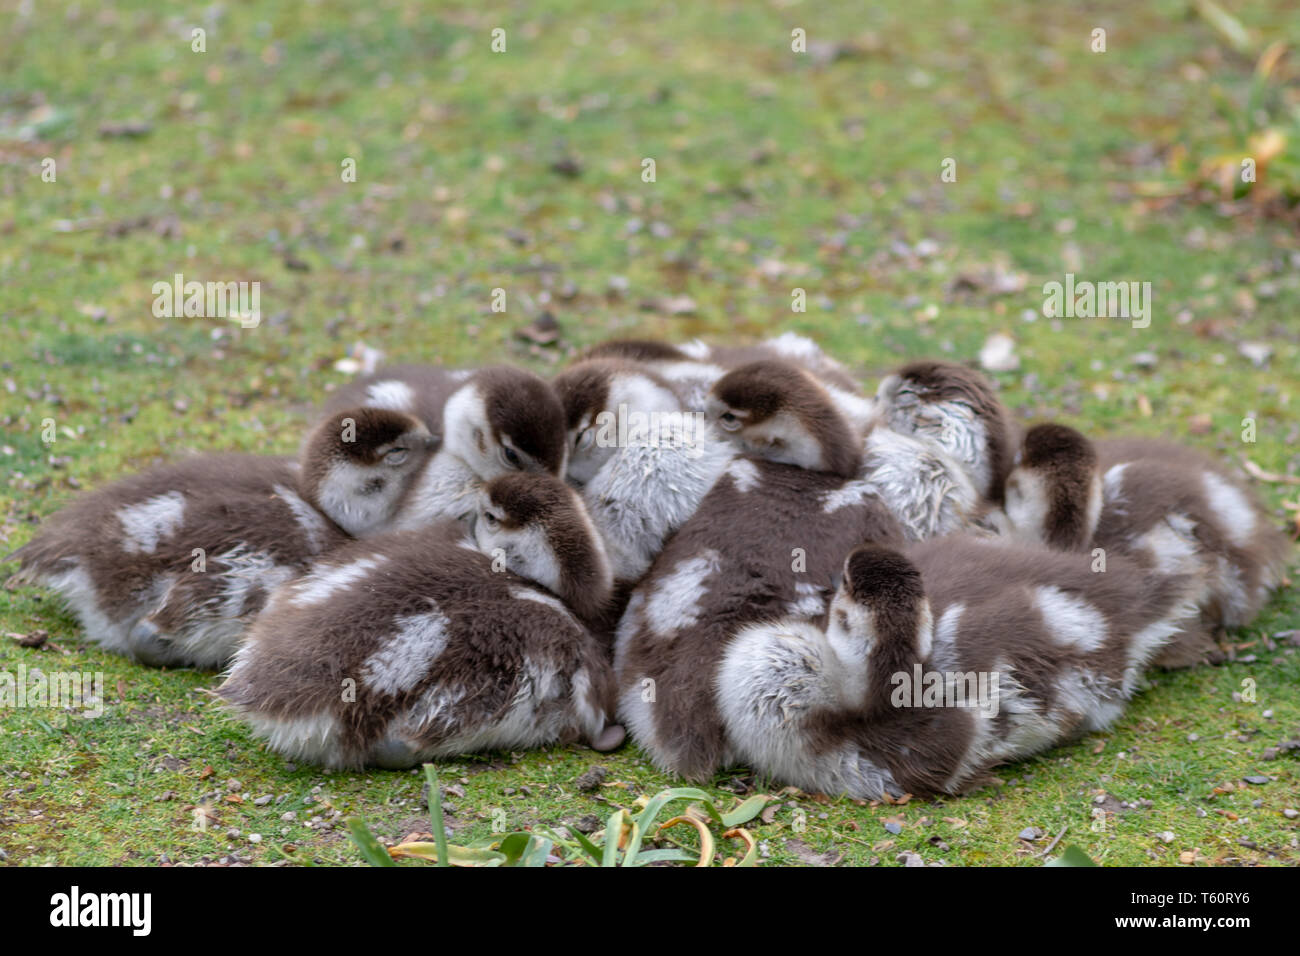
{"x":511,"y":457}
{"x":491,"y":519}
{"x":729,"y":421}
{"x":585,"y":439}
{"x":395,"y":456}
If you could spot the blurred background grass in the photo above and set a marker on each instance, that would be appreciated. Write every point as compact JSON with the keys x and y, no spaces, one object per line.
{"x":521,"y":170}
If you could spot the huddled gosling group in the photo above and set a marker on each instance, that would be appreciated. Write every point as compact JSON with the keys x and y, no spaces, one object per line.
{"x":730,"y":554}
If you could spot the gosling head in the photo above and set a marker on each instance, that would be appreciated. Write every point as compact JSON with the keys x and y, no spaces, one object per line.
{"x":777,"y":411}
{"x":880,"y":623}
{"x":505,"y":420}
{"x":957,"y":408}
{"x":595,"y":394}
{"x":539,"y":527}
{"x":358,"y":464}
{"x":1054,"y":492}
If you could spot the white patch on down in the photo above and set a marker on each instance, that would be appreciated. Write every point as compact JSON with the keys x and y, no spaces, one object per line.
{"x":633,"y":393}
{"x":692,"y":380}
{"x":1172,"y":545}
{"x":311,"y":739}
{"x":77,"y":589}
{"x":327,"y":580}
{"x":924,"y":631}
{"x":432,"y":716}
{"x":311,"y":521}
{"x":946,"y":630}
{"x":1087,"y":699}
{"x":151,"y":521}
{"x":392,"y":394}
{"x":799,"y":348}
{"x":860,"y":412}
{"x":810,"y":600}
{"x":851,"y":494}
{"x":1071,"y":621}
{"x":850,"y":646}
{"x":527,"y":594}
{"x":591,"y":719}
{"x":1146,"y":643}
{"x":210,"y":632}
{"x":629,"y":625}
{"x":674,"y":601}
{"x":697,"y":350}
{"x":637,"y":715}
{"x":1236,"y":517}
{"x":1027,"y":505}
{"x":405,"y":660}
{"x":744,"y":475}
{"x":1113,"y":483}
{"x":1093,"y":514}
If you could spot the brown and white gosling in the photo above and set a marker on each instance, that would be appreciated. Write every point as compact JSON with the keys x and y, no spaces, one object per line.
{"x":779,"y":412}
{"x":642,"y":461}
{"x":169,"y":566}
{"x":416,"y":645}
{"x":942,"y":660}
{"x":1143,"y":497}
{"x":956,"y":409}
{"x":607,"y":402}
{"x":765,"y":544}
{"x":488,"y":422}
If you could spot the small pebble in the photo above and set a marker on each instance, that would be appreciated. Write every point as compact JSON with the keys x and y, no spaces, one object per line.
{"x":1146,"y":360}
{"x":1166,"y":836}
{"x":289,"y":816}
{"x":591,"y":780}
{"x":1256,"y":780}
{"x":1030,"y":833}
{"x":894,"y":828}
{"x":255,"y":838}
{"x":1290,"y":814}
{"x":262,"y":800}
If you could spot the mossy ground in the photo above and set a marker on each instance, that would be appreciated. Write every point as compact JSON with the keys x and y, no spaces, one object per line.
{"x":774,"y":170}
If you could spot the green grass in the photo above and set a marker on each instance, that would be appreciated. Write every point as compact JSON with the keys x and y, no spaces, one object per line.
{"x":774,"y":171}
